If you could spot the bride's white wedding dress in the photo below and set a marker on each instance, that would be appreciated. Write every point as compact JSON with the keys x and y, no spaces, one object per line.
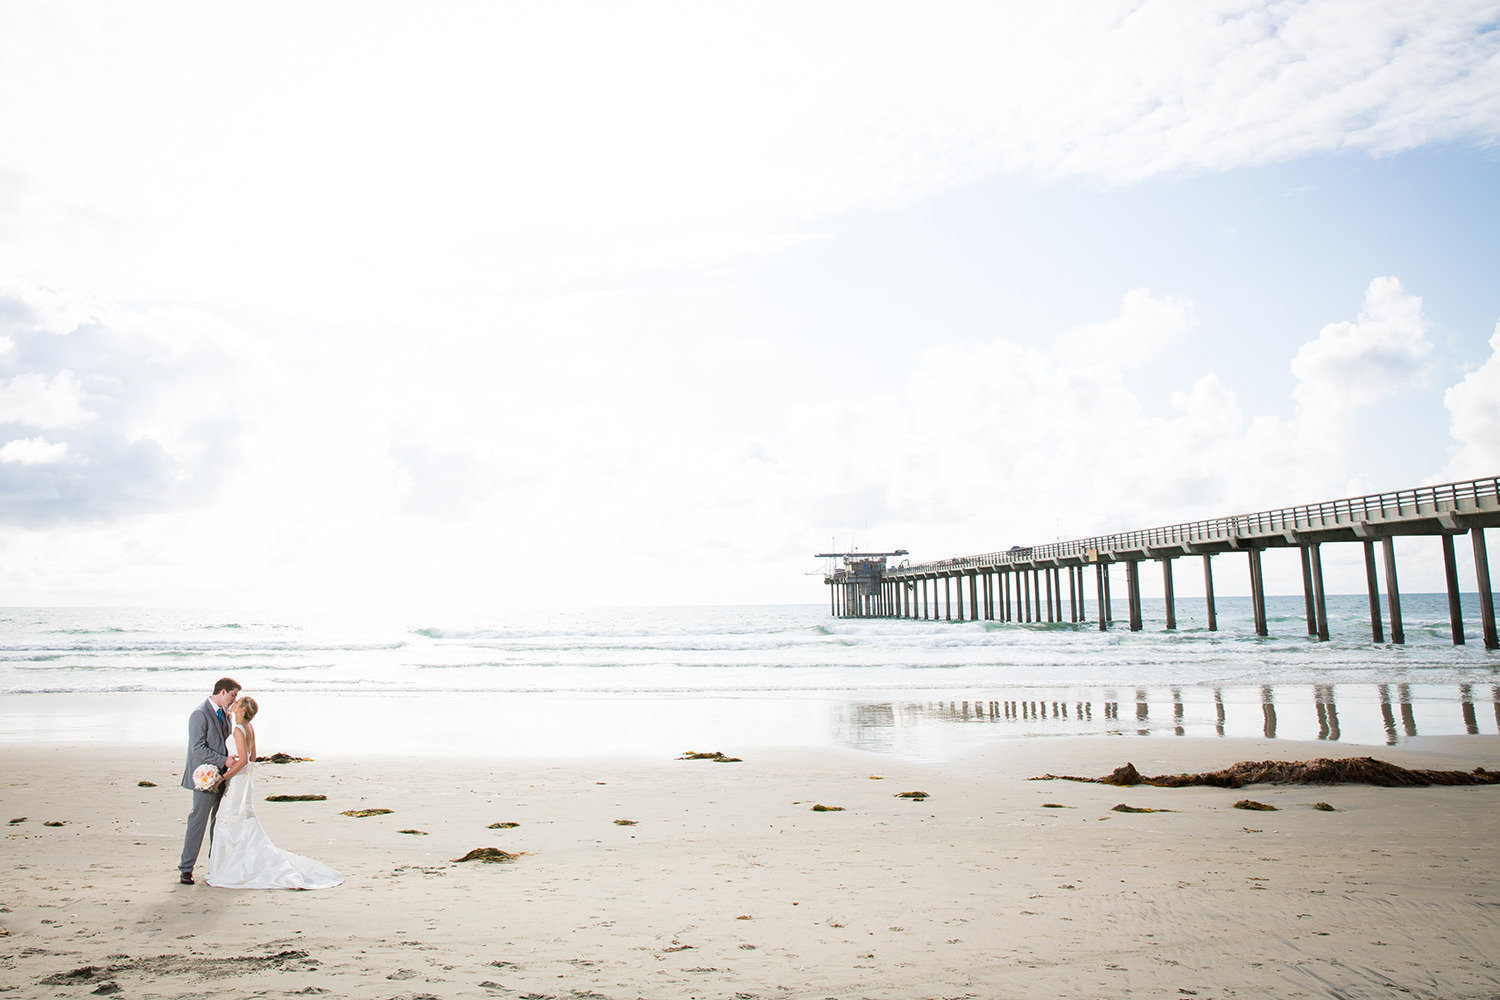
{"x":241,"y":855}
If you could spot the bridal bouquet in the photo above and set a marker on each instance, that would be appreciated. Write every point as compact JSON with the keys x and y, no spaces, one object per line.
{"x":204,"y":777}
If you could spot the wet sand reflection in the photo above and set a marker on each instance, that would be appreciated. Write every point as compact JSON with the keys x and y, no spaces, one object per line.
{"x":1333,"y":713}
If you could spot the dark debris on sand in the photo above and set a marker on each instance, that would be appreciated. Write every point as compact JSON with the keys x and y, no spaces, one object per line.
{"x":1322,"y":771}
{"x":1123,"y":808}
{"x":161,"y":966}
{"x":715,"y":756}
{"x":283,"y":758}
{"x":490,"y":855}
{"x":296,"y":798}
{"x":362,"y":813}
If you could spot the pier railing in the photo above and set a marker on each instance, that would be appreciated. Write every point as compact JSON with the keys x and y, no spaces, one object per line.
{"x":1464,"y":497}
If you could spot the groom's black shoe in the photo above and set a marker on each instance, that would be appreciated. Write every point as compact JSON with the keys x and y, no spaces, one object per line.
{"x":186,"y":878}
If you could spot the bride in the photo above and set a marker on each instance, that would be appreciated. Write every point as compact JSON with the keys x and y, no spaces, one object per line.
{"x":240,"y":855}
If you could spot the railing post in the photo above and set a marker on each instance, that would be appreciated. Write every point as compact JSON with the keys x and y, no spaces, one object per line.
{"x":1450,"y":573}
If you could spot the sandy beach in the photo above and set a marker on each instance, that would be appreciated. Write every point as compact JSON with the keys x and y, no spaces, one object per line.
{"x":726,"y":883}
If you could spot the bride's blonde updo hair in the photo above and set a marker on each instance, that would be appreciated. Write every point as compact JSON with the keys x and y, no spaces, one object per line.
{"x":250,"y":706}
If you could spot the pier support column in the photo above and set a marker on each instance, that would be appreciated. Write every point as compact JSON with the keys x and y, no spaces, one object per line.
{"x":1057,"y":589}
{"x":958,"y":580}
{"x":1171,"y":598}
{"x":1258,"y":593}
{"x":1307,"y":591}
{"x":1450,"y":572}
{"x":1099,"y":587}
{"x":1073,"y":594}
{"x":947,"y":598}
{"x":1320,"y":603}
{"x":1026,"y":596}
{"x":1133,"y":592}
{"x":1109,"y":602}
{"x":1392,"y":591}
{"x":1372,"y":584}
{"x":1208,"y":592}
{"x":973,"y":597}
{"x":1486,"y":593}
{"x":1048,"y":574}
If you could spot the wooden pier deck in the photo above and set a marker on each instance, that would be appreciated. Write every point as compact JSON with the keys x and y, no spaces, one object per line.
{"x":1025,"y":583}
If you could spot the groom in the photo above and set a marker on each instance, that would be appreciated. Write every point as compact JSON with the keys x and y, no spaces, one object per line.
{"x":208,"y":730}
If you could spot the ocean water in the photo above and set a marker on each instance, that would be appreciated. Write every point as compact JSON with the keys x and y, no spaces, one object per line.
{"x":650,"y":680}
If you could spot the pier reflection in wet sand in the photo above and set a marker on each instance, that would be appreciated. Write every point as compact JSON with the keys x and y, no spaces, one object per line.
{"x":1359,"y":714}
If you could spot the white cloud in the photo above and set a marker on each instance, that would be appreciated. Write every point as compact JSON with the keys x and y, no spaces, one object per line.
{"x":1145,"y":326}
{"x":1474,"y":410}
{"x":33,"y":451}
{"x":486,"y":148}
{"x":1353,"y":364}
{"x":140,"y":410}
{"x":35,"y":400}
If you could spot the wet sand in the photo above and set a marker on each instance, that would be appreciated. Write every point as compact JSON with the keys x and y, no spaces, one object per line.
{"x":727,"y":883}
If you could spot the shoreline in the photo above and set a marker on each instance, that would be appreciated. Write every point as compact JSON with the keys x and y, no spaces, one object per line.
{"x":980,"y":889}
{"x":932,"y":725}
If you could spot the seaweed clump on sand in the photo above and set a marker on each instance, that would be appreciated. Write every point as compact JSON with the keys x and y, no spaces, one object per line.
{"x":362,"y":813}
{"x":502,"y":826}
{"x":296,"y":798}
{"x":713,"y":755}
{"x":145,"y":784}
{"x":820,"y":808}
{"x":1321,"y":771}
{"x":1123,"y":808}
{"x":1252,"y":804}
{"x":283,"y":758}
{"x":914,"y":796}
{"x":489,"y":855}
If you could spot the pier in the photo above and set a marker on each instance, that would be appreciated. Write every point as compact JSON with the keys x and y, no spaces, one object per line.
{"x":1028,"y":583}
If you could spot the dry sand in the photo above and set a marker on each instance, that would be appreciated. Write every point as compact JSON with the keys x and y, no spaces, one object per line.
{"x":730,"y":885}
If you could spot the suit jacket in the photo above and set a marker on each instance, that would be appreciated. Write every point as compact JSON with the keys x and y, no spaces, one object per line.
{"x":206,"y":739}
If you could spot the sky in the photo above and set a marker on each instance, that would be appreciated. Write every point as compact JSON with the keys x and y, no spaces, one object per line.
{"x":505,"y":304}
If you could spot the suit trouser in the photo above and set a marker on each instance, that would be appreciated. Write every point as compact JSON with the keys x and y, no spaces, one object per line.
{"x":205,"y":812}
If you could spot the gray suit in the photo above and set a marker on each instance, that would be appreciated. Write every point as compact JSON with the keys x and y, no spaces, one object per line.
{"x":206,"y":738}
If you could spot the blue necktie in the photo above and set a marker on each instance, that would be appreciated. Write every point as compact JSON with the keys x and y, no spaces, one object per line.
{"x":221,"y":715}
